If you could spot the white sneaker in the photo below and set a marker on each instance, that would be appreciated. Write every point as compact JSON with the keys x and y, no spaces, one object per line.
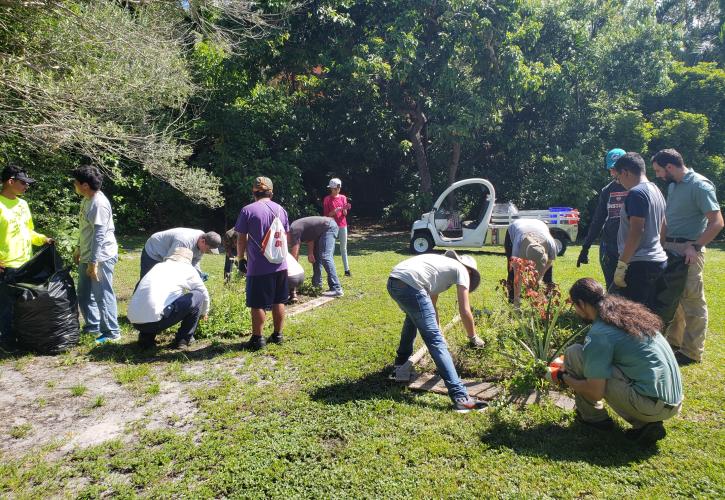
{"x":333,"y":293}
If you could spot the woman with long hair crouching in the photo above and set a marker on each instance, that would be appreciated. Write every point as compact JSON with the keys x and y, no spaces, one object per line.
{"x":624,"y":361}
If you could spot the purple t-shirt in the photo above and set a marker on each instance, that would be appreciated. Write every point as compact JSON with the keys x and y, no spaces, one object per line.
{"x":254,"y":220}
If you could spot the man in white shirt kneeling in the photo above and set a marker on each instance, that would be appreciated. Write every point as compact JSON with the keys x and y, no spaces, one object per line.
{"x":172,"y":292}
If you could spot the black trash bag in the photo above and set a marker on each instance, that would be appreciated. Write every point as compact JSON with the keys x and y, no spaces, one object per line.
{"x":45,"y":316}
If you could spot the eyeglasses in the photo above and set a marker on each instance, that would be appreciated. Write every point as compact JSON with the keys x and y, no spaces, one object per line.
{"x":20,"y":180}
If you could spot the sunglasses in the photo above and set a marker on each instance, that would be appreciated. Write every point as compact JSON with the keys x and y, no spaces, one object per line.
{"x":20,"y":181}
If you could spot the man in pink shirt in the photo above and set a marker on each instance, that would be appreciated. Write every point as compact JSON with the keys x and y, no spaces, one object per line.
{"x":335,"y":205}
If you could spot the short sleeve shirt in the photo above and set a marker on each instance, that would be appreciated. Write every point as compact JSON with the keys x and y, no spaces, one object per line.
{"x":254,"y":220}
{"x":520,"y":228}
{"x":331,"y":203}
{"x":647,"y":361}
{"x":432,"y":272}
{"x":162,"y":244}
{"x":646,"y":201}
{"x":97,"y":231}
{"x":308,"y":229}
{"x":687,"y":203}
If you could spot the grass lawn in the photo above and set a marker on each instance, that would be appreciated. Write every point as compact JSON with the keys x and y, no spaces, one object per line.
{"x":317,"y":416}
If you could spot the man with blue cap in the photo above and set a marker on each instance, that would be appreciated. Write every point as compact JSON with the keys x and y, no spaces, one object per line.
{"x":605,"y":221}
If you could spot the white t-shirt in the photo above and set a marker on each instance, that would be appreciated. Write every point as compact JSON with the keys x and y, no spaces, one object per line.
{"x":432,"y":272}
{"x":161,"y":286}
{"x":522,"y":227}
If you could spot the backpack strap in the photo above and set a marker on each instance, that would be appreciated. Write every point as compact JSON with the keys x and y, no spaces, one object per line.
{"x":250,"y":236}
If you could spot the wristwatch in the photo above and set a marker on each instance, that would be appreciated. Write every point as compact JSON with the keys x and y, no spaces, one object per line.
{"x":697,"y":247}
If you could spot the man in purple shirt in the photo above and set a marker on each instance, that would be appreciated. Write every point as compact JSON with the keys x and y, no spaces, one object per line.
{"x":266,"y":282}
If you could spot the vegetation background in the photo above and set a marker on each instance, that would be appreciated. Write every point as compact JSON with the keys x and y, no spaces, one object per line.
{"x":182,"y":103}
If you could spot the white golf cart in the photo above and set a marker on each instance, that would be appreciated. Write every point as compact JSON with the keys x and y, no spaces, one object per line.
{"x":467,"y":215}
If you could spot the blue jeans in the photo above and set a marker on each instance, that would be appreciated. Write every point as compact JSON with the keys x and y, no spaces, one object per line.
{"x":97,"y":300}
{"x":324,"y":251}
{"x":185,"y":310}
{"x":342,"y":236}
{"x":420,"y":315}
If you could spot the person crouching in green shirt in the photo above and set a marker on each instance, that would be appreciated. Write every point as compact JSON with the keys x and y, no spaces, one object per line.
{"x":17,"y":237}
{"x":624,"y":361}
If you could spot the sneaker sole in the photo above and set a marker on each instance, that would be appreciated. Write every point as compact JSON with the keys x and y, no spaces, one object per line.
{"x":474,"y":410}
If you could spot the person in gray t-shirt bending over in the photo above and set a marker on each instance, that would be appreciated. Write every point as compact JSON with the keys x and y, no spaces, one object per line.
{"x":161,"y":245}
{"x":414,"y":285}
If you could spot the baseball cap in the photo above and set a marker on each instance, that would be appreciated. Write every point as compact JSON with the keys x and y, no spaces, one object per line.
{"x":262,"y":184}
{"x":334,"y":183}
{"x":15,"y":172}
{"x":470,"y":264}
{"x":213,"y":240}
{"x":181,"y":254}
{"x":612,"y":156}
{"x":532,"y":249}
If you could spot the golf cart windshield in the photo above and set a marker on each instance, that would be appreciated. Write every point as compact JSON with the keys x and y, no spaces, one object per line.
{"x":462,"y":209}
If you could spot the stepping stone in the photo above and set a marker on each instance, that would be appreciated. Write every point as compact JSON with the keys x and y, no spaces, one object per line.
{"x":488,"y":391}
{"x":307,"y":306}
{"x":428,"y":382}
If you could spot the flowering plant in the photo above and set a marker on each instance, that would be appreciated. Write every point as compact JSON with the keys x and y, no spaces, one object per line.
{"x":539,"y":334}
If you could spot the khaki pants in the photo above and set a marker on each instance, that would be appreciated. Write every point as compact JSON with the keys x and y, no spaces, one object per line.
{"x":619,"y":394}
{"x":688,"y":328}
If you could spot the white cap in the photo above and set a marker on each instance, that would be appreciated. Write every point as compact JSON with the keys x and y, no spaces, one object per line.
{"x":334,"y":183}
{"x":181,"y":254}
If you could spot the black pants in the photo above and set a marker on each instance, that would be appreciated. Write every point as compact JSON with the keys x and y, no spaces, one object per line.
{"x":670,"y":287}
{"x":185,"y":310}
{"x":508,"y":247}
{"x":147,"y":263}
{"x":641,"y":281}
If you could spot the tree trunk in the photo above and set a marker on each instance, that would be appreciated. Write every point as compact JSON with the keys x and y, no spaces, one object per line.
{"x":415,"y":136}
{"x":455,"y":160}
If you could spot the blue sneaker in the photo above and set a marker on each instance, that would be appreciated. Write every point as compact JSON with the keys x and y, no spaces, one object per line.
{"x":108,"y":338}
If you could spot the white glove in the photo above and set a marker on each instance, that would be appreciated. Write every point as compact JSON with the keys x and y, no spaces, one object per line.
{"x":620,"y":273}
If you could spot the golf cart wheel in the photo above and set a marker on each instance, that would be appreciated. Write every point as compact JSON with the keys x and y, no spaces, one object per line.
{"x":421,"y":243}
{"x":561,"y":243}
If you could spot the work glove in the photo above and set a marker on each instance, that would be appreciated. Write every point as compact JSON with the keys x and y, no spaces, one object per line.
{"x":620,"y":273}
{"x":558,"y":362}
{"x":553,"y":374}
{"x":583,"y":257}
{"x":242,"y":266}
{"x":92,"y":271}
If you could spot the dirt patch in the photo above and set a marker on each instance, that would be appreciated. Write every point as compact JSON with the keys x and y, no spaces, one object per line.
{"x":46,"y":404}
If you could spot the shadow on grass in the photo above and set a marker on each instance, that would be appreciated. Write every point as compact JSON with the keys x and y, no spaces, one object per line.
{"x":135,"y":354}
{"x":577,"y":443}
{"x":372,"y":386}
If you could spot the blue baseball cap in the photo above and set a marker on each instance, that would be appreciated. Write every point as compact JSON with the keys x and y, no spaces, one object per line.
{"x":612,"y":156}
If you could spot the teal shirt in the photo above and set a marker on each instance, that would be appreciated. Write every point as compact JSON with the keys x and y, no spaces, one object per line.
{"x":687,"y":203}
{"x":647,"y":361}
